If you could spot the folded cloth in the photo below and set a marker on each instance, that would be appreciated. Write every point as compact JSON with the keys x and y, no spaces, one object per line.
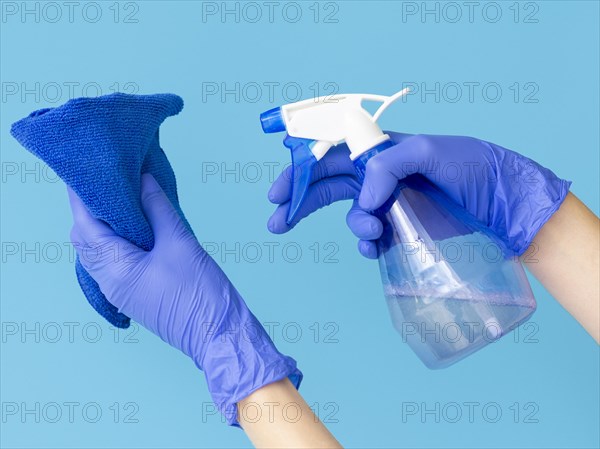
{"x":100,"y":147}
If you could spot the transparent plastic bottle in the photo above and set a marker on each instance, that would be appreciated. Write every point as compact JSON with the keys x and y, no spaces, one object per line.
{"x":451,"y":285}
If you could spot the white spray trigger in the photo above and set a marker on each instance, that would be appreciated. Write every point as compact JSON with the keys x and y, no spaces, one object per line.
{"x":388,"y":101}
{"x":331,"y":120}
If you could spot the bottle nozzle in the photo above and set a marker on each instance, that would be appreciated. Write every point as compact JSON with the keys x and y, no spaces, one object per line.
{"x":272,"y":121}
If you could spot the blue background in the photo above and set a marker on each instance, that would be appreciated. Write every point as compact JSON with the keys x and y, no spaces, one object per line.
{"x":357,"y":370}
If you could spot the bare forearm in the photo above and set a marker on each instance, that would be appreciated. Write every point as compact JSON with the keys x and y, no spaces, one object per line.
{"x":565,"y":258}
{"x":277,"y":416}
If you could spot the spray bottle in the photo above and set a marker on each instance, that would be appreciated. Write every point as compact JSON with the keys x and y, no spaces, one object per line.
{"x":451,"y":285}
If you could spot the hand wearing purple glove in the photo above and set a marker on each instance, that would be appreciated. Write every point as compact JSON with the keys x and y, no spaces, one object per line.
{"x":179,"y":293}
{"x":510,"y":193}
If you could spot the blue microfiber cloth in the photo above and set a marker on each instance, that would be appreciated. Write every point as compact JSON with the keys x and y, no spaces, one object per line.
{"x":100,"y":147}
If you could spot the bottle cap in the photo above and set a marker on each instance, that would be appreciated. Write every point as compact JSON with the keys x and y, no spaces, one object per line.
{"x":271,"y":121}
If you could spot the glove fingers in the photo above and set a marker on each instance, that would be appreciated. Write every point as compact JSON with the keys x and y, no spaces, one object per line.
{"x":320,"y":194}
{"x":368,"y":249}
{"x":96,"y":243}
{"x":335,"y":163}
{"x":87,"y":228}
{"x":362,"y":224}
{"x":386,"y":169}
{"x":161,"y":215}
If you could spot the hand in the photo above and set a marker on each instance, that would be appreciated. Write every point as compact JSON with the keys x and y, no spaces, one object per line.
{"x":510,"y":193}
{"x":179,"y":293}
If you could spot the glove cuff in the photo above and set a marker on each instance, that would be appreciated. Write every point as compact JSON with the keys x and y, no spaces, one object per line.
{"x":525,"y":196}
{"x":241,"y":358}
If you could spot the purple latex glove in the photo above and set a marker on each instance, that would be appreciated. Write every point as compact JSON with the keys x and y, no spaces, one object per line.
{"x":178,"y":292}
{"x":510,"y":193}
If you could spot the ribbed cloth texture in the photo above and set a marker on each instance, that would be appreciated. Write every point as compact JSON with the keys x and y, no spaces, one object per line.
{"x":100,"y":147}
